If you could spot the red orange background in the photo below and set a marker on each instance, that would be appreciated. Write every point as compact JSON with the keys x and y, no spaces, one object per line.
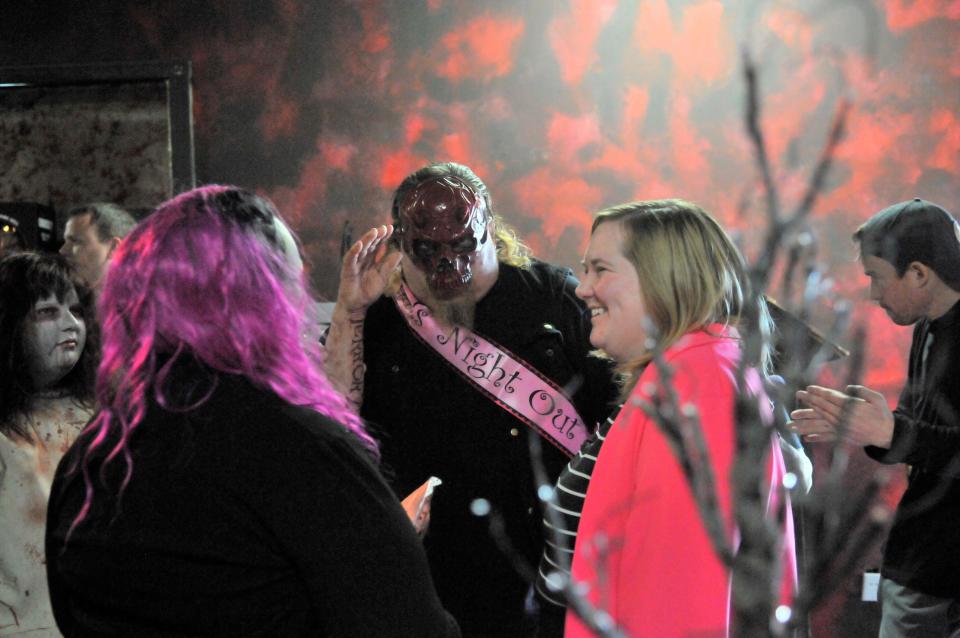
{"x":561,"y":107}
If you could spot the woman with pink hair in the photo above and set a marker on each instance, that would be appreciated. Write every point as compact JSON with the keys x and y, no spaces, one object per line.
{"x":224,"y":488}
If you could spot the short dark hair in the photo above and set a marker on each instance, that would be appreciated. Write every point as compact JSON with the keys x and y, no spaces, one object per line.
{"x":26,"y":278}
{"x":109,"y":219}
{"x":914,"y":230}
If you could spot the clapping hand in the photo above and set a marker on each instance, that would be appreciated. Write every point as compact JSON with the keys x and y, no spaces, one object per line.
{"x":867,"y":417}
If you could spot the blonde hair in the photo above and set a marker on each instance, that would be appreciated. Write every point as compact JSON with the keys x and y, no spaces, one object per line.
{"x":510,"y":248}
{"x":691,"y":274}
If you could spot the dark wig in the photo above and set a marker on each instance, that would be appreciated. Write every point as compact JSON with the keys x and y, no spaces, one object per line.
{"x":25,"y":278}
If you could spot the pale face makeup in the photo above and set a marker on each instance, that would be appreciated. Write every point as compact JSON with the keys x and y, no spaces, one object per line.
{"x":54,"y":334}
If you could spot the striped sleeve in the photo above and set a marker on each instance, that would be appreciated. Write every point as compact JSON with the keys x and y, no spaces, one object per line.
{"x":562,"y":515}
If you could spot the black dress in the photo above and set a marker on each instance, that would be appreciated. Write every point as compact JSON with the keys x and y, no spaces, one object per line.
{"x":244,"y":517}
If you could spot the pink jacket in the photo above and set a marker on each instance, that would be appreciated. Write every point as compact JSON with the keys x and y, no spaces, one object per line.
{"x":641,"y":546}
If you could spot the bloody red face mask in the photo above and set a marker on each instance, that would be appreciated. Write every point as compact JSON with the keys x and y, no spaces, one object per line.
{"x":443,"y":224}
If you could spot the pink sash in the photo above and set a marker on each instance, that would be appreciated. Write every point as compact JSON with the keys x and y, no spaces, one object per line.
{"x":504,"y":378}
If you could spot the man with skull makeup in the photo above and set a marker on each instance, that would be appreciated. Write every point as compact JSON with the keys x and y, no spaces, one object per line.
{"x":474,"y":345}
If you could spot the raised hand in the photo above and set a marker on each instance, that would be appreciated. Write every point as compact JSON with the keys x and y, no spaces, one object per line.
{"x":869,"y":420}
{"x":365,"y":274}
{"x":366,"y":270}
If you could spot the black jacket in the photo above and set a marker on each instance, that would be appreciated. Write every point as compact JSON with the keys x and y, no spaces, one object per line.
{"x":433,"y":422}
{"x":923,"y":549}
{"x":244,"y":517}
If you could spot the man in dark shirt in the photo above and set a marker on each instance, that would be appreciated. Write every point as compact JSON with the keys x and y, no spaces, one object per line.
{"x":447,"y":411}
{"x":92,"y":233}
{"x":911,"y":253}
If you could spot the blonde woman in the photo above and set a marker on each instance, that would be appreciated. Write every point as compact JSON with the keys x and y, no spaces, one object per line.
{"x":663,"y":274}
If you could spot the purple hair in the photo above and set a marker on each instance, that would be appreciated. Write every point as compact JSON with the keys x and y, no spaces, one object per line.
{"x":204,"y":277}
